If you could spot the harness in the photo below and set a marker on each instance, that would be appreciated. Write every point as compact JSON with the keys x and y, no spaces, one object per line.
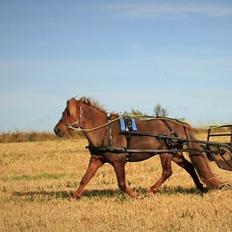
{"x":128,"y":127}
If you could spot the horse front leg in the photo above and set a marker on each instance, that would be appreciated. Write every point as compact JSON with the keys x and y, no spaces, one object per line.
{"x":119,"y":168}
{"x":94,"y":165}
{"x":166,"y":159}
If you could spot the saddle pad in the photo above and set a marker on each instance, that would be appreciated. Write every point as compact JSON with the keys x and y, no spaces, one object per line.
{"x":122,"y":124}
{"x":128,"y":124}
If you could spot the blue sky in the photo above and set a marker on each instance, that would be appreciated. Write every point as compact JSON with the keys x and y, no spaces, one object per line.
{"x":127,"y":54}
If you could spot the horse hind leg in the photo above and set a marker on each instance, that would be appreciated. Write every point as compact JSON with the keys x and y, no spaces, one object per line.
{"x":165,"y":159}
{"x":180,"y":160}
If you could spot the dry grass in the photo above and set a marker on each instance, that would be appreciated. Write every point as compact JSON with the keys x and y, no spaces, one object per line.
{"x":32,"y":136}
{"x":37,"y":177}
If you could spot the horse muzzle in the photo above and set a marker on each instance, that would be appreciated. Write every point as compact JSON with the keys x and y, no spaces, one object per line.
{"x":59,"y":132}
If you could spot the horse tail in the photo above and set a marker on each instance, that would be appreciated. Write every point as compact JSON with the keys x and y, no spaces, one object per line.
{"x":203,"y":169}
{"x":201,"y":164}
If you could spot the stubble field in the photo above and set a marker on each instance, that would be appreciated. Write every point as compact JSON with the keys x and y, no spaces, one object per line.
{"x":37,"y":178}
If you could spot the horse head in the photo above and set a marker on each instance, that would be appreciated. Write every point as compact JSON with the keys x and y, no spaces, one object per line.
{"x":70,"y":118}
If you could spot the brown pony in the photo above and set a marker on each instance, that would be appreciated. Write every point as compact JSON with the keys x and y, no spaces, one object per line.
{"x":104,"y":131}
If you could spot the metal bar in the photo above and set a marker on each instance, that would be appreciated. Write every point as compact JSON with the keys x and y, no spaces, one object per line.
{"x":231,"y":134}
{"x":221,"y":126}
{"x":212,"y":135}
{"x":209,"y":130}
{"x":154,"y":151}
{"x":168,"y":150}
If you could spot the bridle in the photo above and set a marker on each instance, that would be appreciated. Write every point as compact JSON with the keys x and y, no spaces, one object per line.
{"x":77,"y":124}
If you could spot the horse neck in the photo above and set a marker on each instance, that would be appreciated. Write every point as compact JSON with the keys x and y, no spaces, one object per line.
{"x":93,"y":117}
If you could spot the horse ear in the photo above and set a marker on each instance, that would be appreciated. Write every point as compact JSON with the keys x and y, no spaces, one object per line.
{"x":72,"y":106}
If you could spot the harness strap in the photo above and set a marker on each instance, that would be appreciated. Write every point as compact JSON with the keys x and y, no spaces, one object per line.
{"x":172,"y":132}
{"x":107,"y":141}
{"x":71,"y":125}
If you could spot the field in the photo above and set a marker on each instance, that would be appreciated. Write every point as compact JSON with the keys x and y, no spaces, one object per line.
{"x":37,"y":178}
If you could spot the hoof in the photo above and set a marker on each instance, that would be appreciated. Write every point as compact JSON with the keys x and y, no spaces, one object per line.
{"x":151,"y":191}
{"x":203,"y":190}
{"x":134,"y":195}
{"x":74,"y":197}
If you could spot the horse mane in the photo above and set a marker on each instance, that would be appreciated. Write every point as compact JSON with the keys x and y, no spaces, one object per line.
{"x":93,"y":103}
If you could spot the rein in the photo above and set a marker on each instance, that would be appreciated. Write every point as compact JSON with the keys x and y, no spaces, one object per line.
{"x":71,"y":125}
{"x":77,"y":123}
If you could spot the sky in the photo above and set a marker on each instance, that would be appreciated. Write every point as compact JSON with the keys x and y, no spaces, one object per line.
{"x":126,"y":54}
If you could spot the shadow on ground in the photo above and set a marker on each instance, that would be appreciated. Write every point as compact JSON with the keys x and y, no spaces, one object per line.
{"x":102,"y":193}
{"x":42,"y":195}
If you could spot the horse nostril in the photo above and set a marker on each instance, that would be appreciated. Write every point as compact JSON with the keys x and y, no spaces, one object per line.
{"x":57,"y":130}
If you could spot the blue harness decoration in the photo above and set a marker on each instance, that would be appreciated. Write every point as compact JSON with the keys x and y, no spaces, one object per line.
{"x":128,"y":125}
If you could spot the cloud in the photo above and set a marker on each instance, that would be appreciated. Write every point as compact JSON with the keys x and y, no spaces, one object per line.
{"x":158,"y":9}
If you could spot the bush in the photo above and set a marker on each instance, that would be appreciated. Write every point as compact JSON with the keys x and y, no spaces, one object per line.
{"x":159,"y":111}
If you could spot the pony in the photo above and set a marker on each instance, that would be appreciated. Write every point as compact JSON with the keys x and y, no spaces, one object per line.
{"x":103,"y":131}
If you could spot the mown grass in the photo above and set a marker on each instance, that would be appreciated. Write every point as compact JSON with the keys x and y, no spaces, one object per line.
{"x":37,"y":178}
